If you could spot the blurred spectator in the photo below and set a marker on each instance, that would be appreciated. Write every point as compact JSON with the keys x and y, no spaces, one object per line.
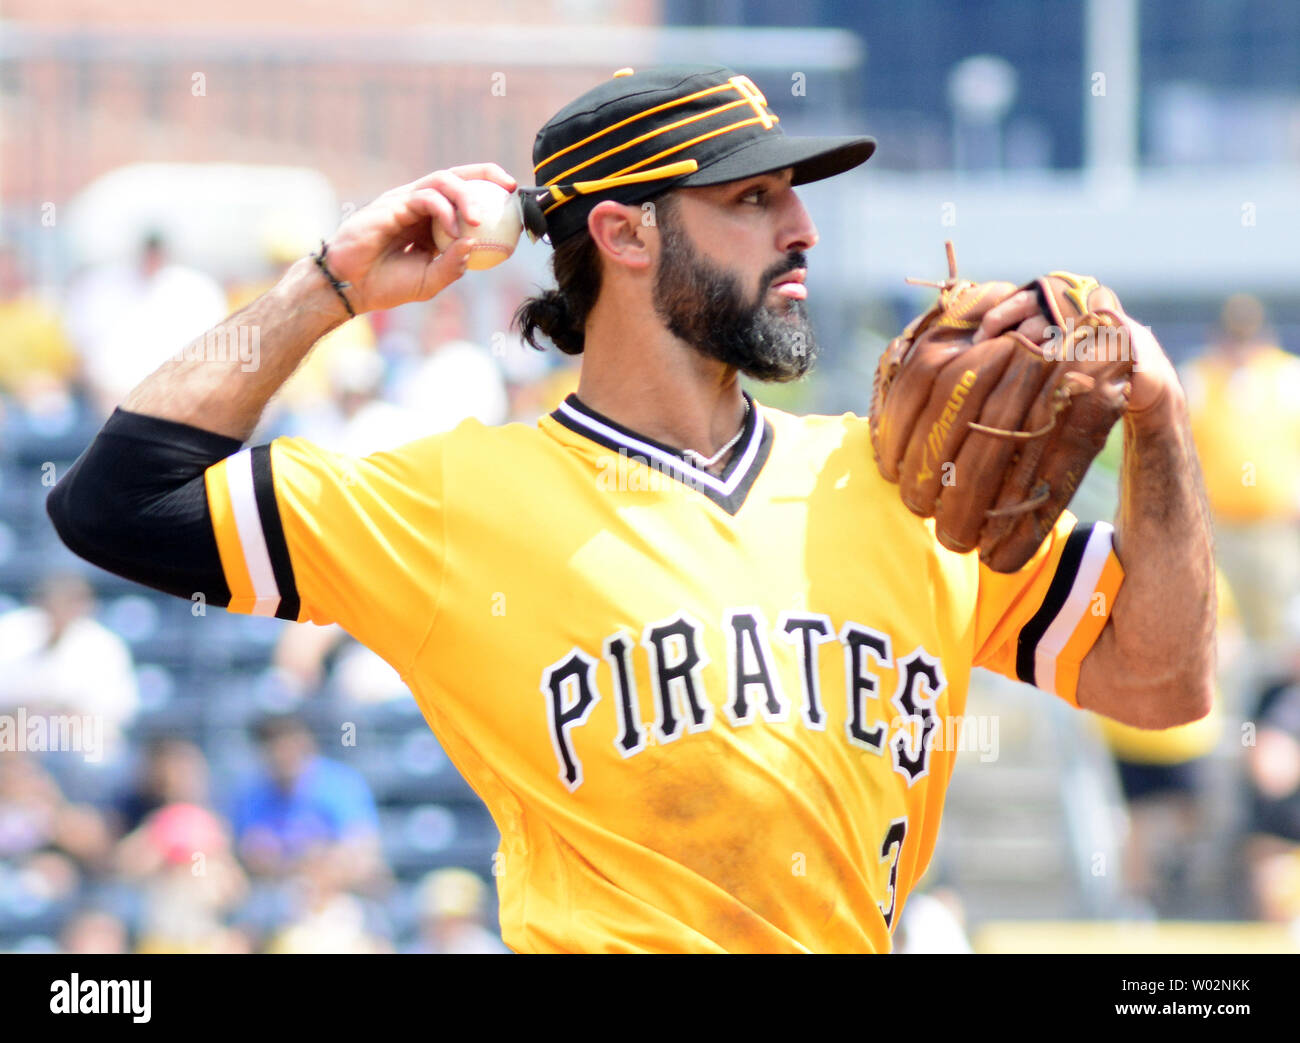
{"x":127,"y":319}
{"x":56,"y":659}
{"x":175,"y":772}
{"x":932,"y":922}
{"x":178,"y":852}
{"x":1162,"y":776}
{"x":48,"y":846}
{"x":304,"y":805}
{"x":94,"y":932}
{"x":360,"y":676}
{"x":536,"y":381}
{"x":354,"y":419}
{"x":37,"y":360}
{"x":303,"y":653}
{"x":530,"y":401}
{"x":451,"y":379}
{"x":526,"y":371}
{"x":451,"y":904}
{"x":1242,"y":395}
{"x":328,"y":919}
{"x":310,"y":385}
{"x":181,"y":858}
{"x":1273,"y":766}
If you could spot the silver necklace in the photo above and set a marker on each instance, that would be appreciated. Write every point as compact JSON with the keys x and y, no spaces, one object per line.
{"x":703,"y":462}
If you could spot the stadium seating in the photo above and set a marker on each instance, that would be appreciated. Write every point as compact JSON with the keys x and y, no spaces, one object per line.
{"x":205,"y":676}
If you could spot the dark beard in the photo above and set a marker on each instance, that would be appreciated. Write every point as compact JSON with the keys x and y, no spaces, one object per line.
{"x":706,"y":307}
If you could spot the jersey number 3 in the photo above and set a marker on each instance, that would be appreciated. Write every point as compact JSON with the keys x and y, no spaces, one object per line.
{"x":890,"y":851}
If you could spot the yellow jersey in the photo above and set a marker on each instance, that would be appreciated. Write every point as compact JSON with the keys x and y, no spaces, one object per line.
{"x":1246,"y":424}
{"x":707,"y":712}
{"x":34,"y":345}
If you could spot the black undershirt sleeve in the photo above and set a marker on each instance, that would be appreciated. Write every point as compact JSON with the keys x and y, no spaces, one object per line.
{"x":136,"y":505}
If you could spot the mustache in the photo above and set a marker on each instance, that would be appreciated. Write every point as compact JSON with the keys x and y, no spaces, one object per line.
{"x":794,"y":259}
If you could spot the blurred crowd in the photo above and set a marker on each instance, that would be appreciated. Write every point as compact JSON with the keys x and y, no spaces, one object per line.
{"x":289,"y":861}
{"x":134,"y":848}
{"x":121,"y":843}
{"x":1243,"y":394}
{"x":378,"y":380}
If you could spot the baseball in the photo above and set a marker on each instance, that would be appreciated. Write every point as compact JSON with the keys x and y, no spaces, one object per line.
{"x":497,"y":232}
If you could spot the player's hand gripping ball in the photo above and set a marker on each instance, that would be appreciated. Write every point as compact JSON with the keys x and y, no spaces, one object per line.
{"x":501,"y":220}
{"x":992,"y":438}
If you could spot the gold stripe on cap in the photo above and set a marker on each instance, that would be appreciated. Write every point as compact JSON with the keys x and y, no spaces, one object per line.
{"x":559,"y":198}
{"x":681,"y":167}
{"x":631,"y":119}
{"x":586,"y":188}
{"x":729,"y":85}
{"x":659,"y":155}
{"x":694,"y":141}
{"x":567,"y":175}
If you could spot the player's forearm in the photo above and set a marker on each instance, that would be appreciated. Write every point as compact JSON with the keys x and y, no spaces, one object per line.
{"x":1154,"y":664}
{"x":223,"y":380}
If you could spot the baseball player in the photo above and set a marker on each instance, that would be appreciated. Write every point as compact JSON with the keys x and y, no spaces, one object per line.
{"x":699,"y":661}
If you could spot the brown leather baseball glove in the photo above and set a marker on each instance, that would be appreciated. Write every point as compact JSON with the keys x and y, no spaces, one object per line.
{"x":991,"y":439}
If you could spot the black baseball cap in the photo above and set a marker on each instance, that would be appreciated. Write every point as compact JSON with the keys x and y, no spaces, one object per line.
{"x":642,"y":133}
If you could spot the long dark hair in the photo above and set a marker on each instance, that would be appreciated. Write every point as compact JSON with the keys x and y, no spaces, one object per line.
{"x":560,"y":315}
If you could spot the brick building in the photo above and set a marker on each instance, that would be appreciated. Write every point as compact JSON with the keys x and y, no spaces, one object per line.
{"x":369,"y":93}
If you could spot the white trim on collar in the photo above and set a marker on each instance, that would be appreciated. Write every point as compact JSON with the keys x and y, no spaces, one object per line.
{"x":653,"y":452}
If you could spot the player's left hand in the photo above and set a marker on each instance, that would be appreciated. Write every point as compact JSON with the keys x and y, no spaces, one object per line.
{"x":1154,"y":378}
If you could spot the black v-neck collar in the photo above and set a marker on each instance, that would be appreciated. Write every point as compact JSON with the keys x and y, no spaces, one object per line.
{"x":727,"y":490}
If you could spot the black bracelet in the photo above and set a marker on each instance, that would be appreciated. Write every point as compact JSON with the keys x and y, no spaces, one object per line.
{"x":339,"y":287}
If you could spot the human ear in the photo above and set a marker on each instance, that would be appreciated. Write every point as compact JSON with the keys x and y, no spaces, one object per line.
{"x":621,"y":235}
